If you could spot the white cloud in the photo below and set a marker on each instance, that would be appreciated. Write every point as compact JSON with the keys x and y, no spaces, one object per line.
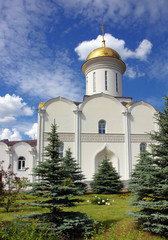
{"x":120,"y":11}
{"x":27,"y":62}
{"x":12,"y":106}
{"x":32,"y":133}
{"x":134,"y":73}
{"x":131,"y":73}
{"x":141,"y":52}
{"x":10,"y":135}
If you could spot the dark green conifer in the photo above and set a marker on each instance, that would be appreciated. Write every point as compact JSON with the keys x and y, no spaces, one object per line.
{"x":107,"y":180}
{"x":57,"y":192}
{"x":73,"y":174}
{"x":149,"y":181}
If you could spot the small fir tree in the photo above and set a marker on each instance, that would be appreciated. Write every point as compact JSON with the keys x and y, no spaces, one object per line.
{"x":73,"y":173}
{"x":107,"y":180}
{"x":149,"y":181}
{"x":57,"y":192}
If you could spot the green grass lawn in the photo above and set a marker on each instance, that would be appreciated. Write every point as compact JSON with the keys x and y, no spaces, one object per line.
{"x":114,"y":222}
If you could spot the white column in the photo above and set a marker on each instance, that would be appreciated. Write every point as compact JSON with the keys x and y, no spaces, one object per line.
{"x":77,"y":136}
{"x":40,"y":134}
{"x":128,"y":152}
{"x":9,"y":151}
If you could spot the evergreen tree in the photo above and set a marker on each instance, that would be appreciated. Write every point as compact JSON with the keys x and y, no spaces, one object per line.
{"x":107,"y":180}
{"x":73,"y":174}
{"x":149,"y":181}
{"x":57,"y":192}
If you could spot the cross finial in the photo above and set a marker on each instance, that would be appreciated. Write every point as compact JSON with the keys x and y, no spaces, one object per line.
{"x":103,"y":31}
{"x":103,"y":41}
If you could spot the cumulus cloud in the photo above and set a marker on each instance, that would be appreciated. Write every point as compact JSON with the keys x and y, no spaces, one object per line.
{"x":12,"y":106}
{"x":32,"y":133}
{"x":11,"y":135}
{"x":141,"y":52}
{"x":133,"y":73}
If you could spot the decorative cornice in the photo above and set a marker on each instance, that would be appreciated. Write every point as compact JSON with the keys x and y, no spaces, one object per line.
{"x":138,"y":138}
{"x":64,"y":137}
{"x":96,"y":137}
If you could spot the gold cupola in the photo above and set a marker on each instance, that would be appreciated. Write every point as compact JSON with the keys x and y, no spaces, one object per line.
{"x":103,"y":52}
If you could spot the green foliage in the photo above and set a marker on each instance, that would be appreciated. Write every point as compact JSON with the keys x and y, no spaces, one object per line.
{"x":149,"y":181}
{"x":73,"y":174}
{"x":107,"y":180}
{"x":19,"y":230}
{"x":57,"y":187}
{"x":11,"y":187}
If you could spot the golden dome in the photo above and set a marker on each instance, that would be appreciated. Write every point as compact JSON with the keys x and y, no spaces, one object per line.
{"x":41,"y":104}
{"x":103,"y":52}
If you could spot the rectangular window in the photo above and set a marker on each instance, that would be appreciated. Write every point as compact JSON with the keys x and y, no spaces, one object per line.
{"x":94,"y":82}
{"x":105,"y":80}
{"x":116,"y":83}
{"x":21,"y":163}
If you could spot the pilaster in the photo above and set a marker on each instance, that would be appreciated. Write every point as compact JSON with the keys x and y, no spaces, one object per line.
{"x":128,"y":165}
{"x":77,"y":135}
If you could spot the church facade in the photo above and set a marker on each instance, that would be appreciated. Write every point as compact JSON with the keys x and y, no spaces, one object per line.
{"x":104,"y":123}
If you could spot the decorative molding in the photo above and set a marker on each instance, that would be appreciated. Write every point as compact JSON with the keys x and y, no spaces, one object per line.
{"x":64,"y":137}
{"x":96,"y":137}
{"x":138,"y":138}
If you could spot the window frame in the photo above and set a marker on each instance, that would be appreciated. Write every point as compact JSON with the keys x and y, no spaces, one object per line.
{"x":94,"y":81}
{"x":142,"y":146}
{"x":102,"y":127}
{"x":116,"y":83}
{"x":21,"y":164}
{"x":106,"y":87}
{"x":61,"y":150}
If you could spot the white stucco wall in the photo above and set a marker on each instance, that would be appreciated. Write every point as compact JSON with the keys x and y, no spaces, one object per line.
{"x":61,"y":110}
{"x":102,"y":107}
{"x":10,"y":155}
{"x":142,"y":118}
{"x":4,"y":156}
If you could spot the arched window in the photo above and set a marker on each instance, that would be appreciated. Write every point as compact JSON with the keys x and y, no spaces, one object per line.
{"x":61,"y":150}
{"x":21,"y":163}
{"x":94,"y":82}
{"x":102,"y":127}
{"x":116,"y":82}
{"x":142,"y":147}
{"x":105,"y":80}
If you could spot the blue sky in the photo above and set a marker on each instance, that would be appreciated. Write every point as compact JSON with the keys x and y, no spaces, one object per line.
{"x":44,"y":43}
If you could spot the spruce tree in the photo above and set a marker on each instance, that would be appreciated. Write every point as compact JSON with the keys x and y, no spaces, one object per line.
{"x":57,"y":192}
{"x":73,"y":174}
{"x":107,"y":180}
{"x":150,"y":184}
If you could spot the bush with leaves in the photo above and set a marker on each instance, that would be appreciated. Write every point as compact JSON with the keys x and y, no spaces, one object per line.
{"x":12,"y":185}
{"x":107,"y":180}
{"x":149,"y":181}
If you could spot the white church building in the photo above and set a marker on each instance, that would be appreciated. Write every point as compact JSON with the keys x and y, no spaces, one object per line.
{"x":105,"y":122}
